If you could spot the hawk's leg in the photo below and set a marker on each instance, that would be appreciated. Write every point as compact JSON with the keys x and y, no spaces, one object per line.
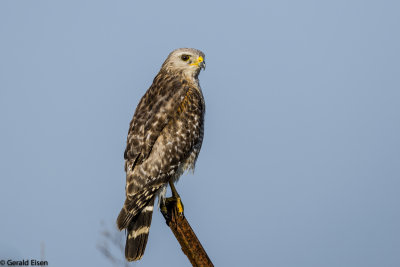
{"x":175,"y":198}
{"x":172,"y":203}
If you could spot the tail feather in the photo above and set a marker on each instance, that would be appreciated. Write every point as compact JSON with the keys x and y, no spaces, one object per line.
{"x":133,"y":206}
{"x":138,"y":233}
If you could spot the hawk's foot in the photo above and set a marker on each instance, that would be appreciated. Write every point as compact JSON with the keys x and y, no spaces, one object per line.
{"x":170,"y":205}
{"x":179,"y":205}
{"x":175,"y":202}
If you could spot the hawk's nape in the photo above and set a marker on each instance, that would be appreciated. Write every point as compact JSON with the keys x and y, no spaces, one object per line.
{"x":164,"y":139}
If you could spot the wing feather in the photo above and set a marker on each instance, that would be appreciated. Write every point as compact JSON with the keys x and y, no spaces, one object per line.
{"x":156,"y":108}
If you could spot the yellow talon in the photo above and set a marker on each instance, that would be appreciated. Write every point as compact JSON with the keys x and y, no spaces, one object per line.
{"x":179,"y":205}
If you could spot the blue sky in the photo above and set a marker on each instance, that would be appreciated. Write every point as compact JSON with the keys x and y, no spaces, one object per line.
{"x":300,"y":164}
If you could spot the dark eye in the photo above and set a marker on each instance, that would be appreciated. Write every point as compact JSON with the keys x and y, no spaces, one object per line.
{"x":185,"y":57}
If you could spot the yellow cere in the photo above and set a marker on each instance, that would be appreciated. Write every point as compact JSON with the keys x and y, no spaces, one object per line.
{"x":199,"y":59}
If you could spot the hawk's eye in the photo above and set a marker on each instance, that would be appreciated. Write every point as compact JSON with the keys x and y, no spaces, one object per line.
{"x":185,"y":57}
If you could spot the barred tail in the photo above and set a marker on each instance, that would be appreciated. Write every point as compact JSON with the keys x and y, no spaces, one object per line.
{"x":138,"y":233}
{"x":135,"y":216}
{"x":134,"y":205}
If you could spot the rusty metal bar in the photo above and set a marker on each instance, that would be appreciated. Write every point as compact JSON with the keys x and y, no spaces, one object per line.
{"x":188,"y":240}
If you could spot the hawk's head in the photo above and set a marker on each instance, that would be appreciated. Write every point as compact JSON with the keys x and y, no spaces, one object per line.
{"x":187,"y":61}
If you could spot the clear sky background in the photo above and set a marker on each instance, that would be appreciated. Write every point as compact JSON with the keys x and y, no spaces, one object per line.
{"x":300,"y":164}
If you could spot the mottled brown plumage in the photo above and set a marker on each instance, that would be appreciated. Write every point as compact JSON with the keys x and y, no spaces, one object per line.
{"x":164,"y":139}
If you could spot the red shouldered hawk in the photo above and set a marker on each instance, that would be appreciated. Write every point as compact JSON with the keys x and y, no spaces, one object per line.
{"x":164,"y":140}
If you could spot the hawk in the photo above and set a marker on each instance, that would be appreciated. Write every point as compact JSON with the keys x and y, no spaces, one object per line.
{"x":164,"y":140}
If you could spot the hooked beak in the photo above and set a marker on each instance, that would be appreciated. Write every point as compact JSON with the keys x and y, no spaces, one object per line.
{"x":202,"y":65}
{"x":200,"y":62}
